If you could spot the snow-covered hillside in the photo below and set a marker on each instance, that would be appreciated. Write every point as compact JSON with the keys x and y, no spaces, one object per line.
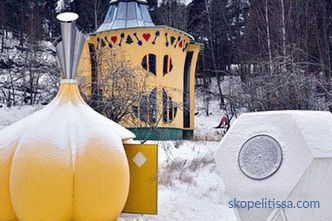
{"x":11,"y":115}
{"x":190,"y":187}
{"x":28,"y":72}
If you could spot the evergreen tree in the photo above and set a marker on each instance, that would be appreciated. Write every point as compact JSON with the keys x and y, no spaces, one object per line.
{"x":197,"y":22}
{"x":172,"y":13}
{"x":92,"y":13}
{"x":153,"y":6}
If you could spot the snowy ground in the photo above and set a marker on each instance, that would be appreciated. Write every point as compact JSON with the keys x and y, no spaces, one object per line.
{"x":204,"y":125}
{"x":11,"y":115}
{"x":190,"y":187}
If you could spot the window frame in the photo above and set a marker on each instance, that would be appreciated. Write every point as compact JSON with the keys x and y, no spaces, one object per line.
{"x":169,"y":108}
{"x":167,"y":65}
{"x":149,"y":63}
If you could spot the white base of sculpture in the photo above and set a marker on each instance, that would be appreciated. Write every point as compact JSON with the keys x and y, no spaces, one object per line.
{"x":253,"y":168}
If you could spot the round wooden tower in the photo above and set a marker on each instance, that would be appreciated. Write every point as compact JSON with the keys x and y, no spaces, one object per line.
{"x":167,"y":54}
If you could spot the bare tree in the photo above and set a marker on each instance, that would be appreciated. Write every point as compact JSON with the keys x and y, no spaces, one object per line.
{"x":214,"y":61}
{"x":268,"y":39}
{"x":173,"y":13}
{"x":118,"y":86}
{"x":280,"y":90}
{"x":127,"y":95}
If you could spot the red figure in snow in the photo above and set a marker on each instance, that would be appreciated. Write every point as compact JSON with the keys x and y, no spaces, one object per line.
{"x":224,"y":122}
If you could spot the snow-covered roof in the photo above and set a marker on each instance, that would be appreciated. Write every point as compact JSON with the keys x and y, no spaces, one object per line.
{"x":126,"y":14}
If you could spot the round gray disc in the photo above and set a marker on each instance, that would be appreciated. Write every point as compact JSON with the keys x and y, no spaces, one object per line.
{"x":260,"y":157}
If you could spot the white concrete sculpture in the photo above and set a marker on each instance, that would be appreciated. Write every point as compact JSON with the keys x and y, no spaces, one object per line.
{"x":281,"y":155}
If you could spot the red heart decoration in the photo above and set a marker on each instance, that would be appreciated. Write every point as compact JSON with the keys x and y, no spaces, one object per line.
{"x":114,"y":39}
{"x":180,"y":44}
{"x":146,"y":36}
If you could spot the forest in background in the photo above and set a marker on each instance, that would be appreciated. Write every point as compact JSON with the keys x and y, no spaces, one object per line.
{"x":258,"y":54}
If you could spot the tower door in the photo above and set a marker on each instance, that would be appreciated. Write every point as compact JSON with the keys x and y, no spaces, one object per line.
{"x":186,"y":91}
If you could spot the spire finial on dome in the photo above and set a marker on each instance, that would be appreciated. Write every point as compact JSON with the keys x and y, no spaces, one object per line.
{"x":70,"y":49}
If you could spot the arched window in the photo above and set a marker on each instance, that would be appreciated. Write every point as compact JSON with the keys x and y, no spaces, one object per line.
{"x":147,"y":110}
{"x":168,"y":65}
{"x":153,"y":106}
{"x":143,"y":109}
{"x":169,"y":108}
{"x":149,"y":63}
{"x":165,"y":119}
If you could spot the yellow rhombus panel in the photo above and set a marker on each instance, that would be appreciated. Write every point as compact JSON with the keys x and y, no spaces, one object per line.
{"x":143,"y":164}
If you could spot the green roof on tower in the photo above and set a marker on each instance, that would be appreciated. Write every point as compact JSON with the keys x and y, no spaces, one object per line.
{"x":126,"y":14}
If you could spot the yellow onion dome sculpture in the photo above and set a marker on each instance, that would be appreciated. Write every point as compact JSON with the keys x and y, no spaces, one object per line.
{"x":65,"y":162}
